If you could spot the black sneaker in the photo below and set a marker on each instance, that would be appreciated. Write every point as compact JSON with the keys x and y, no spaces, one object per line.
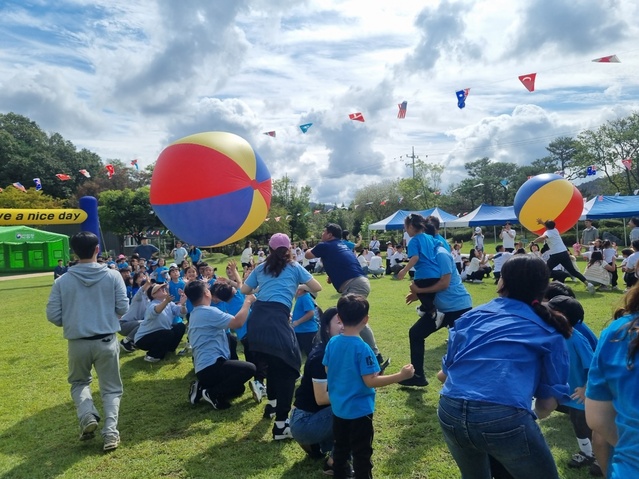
{"x":216,"y":403}
{"x":280,"y":433}
{"x":416,"y":380}
{"x":88,"y":425}
{"x":383,"y":363}
{"x":195,"y":392}
{"x":269,"y":412}
{"x":328,"y":470}
{"x":313,"y":451}
{"x":127,"y":345}
{"x":595,"y":469}
{"x":580,"y":460}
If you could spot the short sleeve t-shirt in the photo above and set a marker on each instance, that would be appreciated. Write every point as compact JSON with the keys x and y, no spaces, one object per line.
{"x":424,"y":246}
{"x":207,"y":335}
{"x":554,"y":241}
{"x":347,"y":359}
{"x":281,"y":289}
{"x":314,"y":372}
{"x":304,"y":304}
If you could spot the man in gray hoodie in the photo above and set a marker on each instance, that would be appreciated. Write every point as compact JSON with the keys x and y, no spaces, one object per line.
{"x":87,"y":303}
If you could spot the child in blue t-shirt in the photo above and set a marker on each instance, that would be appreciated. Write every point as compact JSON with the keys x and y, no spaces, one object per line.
{"x":352,"y":374}
{"x":303,"y":319}
{"x":421,"y":254}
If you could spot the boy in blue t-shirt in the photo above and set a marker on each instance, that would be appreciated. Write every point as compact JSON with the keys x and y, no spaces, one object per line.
{"x":303,"y":319}
{"x":352,"y":374}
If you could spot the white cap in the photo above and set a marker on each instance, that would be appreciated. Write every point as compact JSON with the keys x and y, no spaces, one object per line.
{"x":478,"y":229}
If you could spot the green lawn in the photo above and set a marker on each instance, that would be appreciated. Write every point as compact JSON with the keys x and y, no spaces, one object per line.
{"x":164,"y":436}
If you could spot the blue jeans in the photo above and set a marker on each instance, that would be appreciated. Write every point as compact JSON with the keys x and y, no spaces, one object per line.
{"x":473,"y":430}
{"x":313,"y":427}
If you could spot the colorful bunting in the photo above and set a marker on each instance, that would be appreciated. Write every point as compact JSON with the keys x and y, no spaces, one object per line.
{"x":278,"y":218}
{"x":63,"y":177}
{"x":19,"y":186}
{"x":402,"y":110}
{"x":591,"y":170}
{"x":627,"y":163}
{"x":400,"y":199}
{"x":38,"y":184}
{"x":110,"y":170}
{"x":135,"y":163}
{"x":418,"y":196}
{"x":528,"y":81}
{"x":305,"y":127}
{"x":504,"y":183}
{"x":608,"y":59}
{"x":86,"y":173}
{"x":461,"y":97}
{"x":383,"y":202}
{"x":270,"y":133}
{"x":356,"y":117}
{"x":266,"y":219}
{"x":600,"y":198}
{"x":316,"y":212}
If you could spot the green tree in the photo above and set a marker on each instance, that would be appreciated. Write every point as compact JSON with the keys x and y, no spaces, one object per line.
{"x":562,"y":157}
{"x":127,"y":212}
{"x":14,"y":198}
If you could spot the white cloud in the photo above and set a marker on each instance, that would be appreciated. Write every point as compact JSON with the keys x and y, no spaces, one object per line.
{"x":124,"y":79}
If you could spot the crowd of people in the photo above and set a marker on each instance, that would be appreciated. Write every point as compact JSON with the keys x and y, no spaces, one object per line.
{"x":532,"y":338}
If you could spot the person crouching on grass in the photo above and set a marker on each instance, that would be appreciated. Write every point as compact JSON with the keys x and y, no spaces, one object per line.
{"x":219,"y":378}
{"x":352,"y":374}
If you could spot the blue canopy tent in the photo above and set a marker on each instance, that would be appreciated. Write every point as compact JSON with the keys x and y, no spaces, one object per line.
{"x":396,"y":220}
{"x":602,"y":207}
{"x":485,"y":215}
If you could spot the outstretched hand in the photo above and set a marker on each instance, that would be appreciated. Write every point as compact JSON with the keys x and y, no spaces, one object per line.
{"x":407,"y":372}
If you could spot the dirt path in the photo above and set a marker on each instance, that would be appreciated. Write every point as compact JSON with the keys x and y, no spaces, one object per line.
{"x":22,"y":276}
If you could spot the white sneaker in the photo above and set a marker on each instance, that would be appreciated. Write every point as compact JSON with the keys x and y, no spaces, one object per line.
{"x":591,"y":288}
{"x":439,"y":319}
{"x":258,"y":390}
{"x":420,"y":313}
{"x":151,"y":359}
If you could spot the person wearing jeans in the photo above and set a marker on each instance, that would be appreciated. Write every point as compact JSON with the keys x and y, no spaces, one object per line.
{"x":499,"y":356}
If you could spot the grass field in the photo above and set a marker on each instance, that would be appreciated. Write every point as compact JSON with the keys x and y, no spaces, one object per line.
{"x":163,"y":436}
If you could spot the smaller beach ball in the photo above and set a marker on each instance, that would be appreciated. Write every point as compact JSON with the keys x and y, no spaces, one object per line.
{"x":211,"y":189}
{"x":548,"y":197}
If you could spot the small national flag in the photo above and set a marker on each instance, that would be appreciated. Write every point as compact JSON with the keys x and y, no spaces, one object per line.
{"x":418,"y":196}
{"x":504,"y":183}
{"x":438,"y":192}
{"x":270,"y":133}
{"x":266,"y":219}
{"x":528,"y":81}
{"x":63,"y":177}
{"x":278,"y":218}
{"x":110,"y":170}
{"x":400,"y":199}
{"x":305,"y":127}
{"x":635,"y":192}
{"x":627,"y":163}
{"x":591,"y":170}
{"x":402,"y":110}
{"x":356,"y":116}
{"x":86,"y":173}
{"x":288,"y":217}
{"x":135,"y":163}
{"x":461,"y":97}
{"x":316,"y":212}
{"x":369,"y":203}
{"x":383,"y":202}
{"x":608,"y":59}
{"x":600,"y":198}
{"x":38,"y":184}
{"x":19,"y":186}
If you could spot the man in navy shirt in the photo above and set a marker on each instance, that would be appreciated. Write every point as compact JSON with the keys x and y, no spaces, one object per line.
{"x":345,"y":273}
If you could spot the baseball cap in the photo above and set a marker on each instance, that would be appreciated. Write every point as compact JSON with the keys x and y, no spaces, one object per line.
{"x":569,"y":307}
{"x":279,"y":240}
{"x":121,"y":257}
{"x":173,"y":265}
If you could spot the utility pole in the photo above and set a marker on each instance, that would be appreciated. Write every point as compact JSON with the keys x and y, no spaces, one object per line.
{"x":413,"y":157}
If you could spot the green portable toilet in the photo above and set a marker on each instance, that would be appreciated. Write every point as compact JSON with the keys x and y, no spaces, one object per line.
{"x":24,"y":249}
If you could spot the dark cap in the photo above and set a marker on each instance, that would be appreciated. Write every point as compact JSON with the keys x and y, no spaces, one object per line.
{"x":569,"y":307}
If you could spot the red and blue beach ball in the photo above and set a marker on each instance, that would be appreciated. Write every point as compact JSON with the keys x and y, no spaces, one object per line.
{"x":211,"y":189}
{"x":548,"y":197}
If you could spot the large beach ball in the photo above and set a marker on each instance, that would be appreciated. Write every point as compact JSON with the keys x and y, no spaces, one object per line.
{"x":548,"y":197}
{"x":211,"y":189}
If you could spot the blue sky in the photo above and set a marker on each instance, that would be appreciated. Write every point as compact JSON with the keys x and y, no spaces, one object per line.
{"x":124,"y":79}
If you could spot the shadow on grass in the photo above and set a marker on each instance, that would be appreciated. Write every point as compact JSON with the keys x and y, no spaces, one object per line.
{"x":26,"y":287}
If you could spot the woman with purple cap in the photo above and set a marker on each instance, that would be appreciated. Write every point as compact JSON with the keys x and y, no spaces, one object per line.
{"x":275,"y":282}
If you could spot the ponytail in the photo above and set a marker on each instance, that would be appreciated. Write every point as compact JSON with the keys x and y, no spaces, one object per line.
{"x":553,"y":318}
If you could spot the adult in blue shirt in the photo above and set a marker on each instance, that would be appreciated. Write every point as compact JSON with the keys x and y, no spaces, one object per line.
{"x":345,"y":273}
{"x":499,"y":356}
{"x":612,"y":392}
{"x":269,"y":330}
{"x":146,"y":250}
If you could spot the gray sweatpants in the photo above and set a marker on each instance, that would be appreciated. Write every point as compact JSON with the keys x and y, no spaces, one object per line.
{"x":362,"y":286}
{"x":104,"y":355}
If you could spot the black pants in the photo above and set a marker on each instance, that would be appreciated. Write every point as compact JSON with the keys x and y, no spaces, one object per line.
{"x":280,"y":383}
{"x":563,"y":259}
{"x":424,"y":327}
{"x":353,"y":436}
{"x":578,"y":421}
{"x":614,"y":276}
{"x":260,"y":366}
{"x":305,"y":341}
{"x":225,"y":379}
{"x":427,"y":299}
{"x":630,"y":279}
{"x":158,"y":343}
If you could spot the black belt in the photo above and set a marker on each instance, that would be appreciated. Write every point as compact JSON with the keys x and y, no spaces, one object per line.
{"x":98,"y":336}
